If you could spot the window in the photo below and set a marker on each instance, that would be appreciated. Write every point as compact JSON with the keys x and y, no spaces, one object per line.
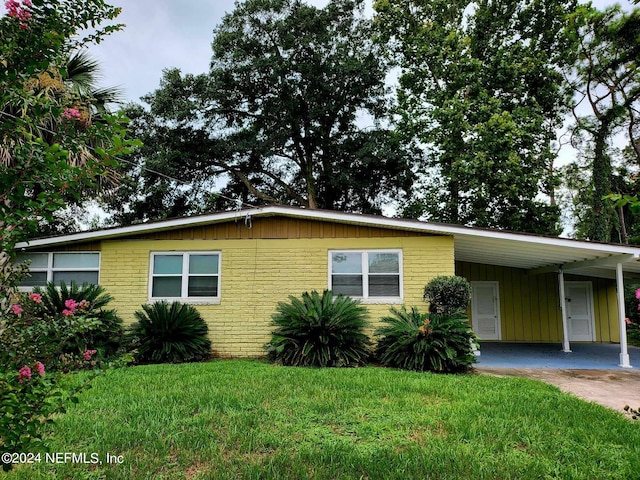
{"x":193,"y":276}
{"x":67,"y":267}
{"x":373,"y":275}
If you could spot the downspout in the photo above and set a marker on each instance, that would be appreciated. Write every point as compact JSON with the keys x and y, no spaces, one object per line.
{"x":563,"y":308}
{"x":624,"y":354}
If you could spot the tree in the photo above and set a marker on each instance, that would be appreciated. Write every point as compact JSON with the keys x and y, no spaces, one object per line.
{"x":278,"y":114}
{"x":606,"y":79}
{"x":480,"y":90}
{"x":51,"y":149}
{"x":81,"y":79}
{"x":576,"y":198}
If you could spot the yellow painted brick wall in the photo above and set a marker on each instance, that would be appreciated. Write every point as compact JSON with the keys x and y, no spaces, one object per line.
{"x":257,"y":274}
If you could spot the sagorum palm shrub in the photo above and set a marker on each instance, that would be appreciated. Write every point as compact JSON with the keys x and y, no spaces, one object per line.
{"x":106,"y":337}
{"x":169,"y":333}
{"x":319,"y":331}
{"x":426,"y":341}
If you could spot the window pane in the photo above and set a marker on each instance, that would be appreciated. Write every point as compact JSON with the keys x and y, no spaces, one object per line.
{"x":37,"y":279}
{"x":347,"y":285}
{"x":207,"y":264}
{"x":38,"y":260}
{"x":203,"y":286}
{"x":344,"y":262}
{"x":76,"y":260}
{"x":167,"y":287}
{"x":78,"y":277}
{"x":167,"y":264}
{"x":384,"y":263}
{"x":384,"y":285}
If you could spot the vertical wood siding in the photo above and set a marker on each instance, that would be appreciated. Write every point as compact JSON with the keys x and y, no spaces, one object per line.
{"x":274,"y":228}
{"x":530,"y":304}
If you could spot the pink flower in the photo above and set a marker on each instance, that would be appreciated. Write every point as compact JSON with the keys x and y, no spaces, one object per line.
{"x":71,"y":307}
{"x":70,"y":113}
{"x":82,"y":305}
{"x":627,"y":321}
{"x":12,"y":7}
{"x":24,"y":372}
{"x":70,"y":304}
{"x":17,"y":309}
{"x":638,"y":294}
{"x":89,"y":353}
{"x":15,"y":10}
{"x":36,"y":297}
{"x":24,"y":14}
{"x":39,"y":366}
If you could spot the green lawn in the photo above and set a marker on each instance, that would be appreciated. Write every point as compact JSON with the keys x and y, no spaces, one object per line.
{"x":249,"y":419}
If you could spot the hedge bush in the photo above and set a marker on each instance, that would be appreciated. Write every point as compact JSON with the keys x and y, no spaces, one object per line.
{"x":447,"y":294}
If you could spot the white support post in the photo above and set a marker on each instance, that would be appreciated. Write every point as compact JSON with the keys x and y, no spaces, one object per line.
{"x":563,"y":308}
{"x":624,"y":354}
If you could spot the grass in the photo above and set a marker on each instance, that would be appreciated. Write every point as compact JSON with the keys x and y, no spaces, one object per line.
{"x":249,"y":419}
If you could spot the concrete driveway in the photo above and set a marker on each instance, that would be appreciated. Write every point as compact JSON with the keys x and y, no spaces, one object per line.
{"x":590,"y":372}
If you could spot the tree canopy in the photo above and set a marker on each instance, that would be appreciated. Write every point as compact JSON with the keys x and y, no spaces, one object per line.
{"x":606,"y":80}
{"x":52,"y":148}
{"x":480,"y":89}
{"x":278,"y":117}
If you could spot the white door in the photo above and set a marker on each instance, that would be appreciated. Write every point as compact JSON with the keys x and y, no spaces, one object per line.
{"x":485,"y":310}
{"x":579,"y":300}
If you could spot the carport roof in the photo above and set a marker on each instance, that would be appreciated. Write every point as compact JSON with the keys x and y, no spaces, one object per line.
{"x":536,"y":253}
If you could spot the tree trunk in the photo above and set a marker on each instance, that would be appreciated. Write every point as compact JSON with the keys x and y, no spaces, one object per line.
{"x":7,"y":290}
{"x":600,"y":228}
{"x":624,"y":236}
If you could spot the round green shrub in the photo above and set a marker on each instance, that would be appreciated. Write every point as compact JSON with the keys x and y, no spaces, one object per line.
{"x":169,"y":333}
{"x":447,"y":294}
{"x":319,"y":331}
{"x":426,"y":342}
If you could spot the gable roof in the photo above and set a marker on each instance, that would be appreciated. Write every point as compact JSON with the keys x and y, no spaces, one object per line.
{"x":536,"y":253}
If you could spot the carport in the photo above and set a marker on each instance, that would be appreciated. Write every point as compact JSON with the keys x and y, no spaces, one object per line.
{"x":553,"y":258}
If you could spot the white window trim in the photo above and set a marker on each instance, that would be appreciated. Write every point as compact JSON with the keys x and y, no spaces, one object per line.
{"x":366,"y":299}
{"x":50,"y":270}
{"x":185,"y":278}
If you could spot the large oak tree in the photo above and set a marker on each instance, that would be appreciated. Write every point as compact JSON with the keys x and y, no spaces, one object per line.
{"x":290,"y":112}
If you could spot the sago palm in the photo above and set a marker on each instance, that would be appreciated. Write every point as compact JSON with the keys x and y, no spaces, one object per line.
{"x":319,"y":331}
{"x":169,"y":333}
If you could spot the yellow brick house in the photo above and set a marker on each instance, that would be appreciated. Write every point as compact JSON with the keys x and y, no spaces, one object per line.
{"x":236,"y":266}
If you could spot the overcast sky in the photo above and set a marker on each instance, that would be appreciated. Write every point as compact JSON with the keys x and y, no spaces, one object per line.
{"x":163,"y":34}
{"x":160,"y":34}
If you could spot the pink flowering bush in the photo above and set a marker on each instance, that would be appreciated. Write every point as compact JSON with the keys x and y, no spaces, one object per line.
{"x":32,"y":332}
{"x":87,"y":301}
{"x":39,"y":349}
{"x":29,"y":398}
{"x":30,"y":392}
